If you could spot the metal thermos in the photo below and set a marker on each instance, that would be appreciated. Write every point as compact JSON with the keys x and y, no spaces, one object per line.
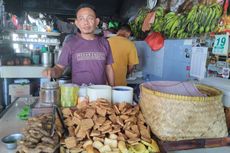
{"x":50,"y":93}
{"x":47,"y":59}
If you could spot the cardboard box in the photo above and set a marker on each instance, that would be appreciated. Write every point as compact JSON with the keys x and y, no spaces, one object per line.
{"x":19,"y":90}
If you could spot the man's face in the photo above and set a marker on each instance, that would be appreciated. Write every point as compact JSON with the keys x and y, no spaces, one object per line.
{"x":86,"y":21}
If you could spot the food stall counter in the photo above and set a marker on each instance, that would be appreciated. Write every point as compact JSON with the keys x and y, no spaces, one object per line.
{"x":9,"y":123}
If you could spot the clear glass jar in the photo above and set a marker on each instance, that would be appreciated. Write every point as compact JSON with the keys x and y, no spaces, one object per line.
{"x":50,"y":93}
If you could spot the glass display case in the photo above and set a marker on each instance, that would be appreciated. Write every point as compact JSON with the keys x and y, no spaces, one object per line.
{"x":21,"y":56}
{"x":25,"y":45}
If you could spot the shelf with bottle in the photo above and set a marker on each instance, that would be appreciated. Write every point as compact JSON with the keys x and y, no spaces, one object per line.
{"x":32,"y":32}
{"x":36,"y":32}
{"x":29,"y":38}
{"x":55,"y":43}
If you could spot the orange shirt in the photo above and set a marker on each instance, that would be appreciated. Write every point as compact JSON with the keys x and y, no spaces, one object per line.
{"x":124,"y":54}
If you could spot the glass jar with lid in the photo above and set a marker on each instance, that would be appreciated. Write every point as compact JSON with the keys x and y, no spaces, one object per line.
{"x":50,"y":93}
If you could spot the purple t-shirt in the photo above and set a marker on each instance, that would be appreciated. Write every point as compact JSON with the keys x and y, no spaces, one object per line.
{"x":87,"y":58}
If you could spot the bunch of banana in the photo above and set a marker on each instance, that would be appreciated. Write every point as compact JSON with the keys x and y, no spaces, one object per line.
{"x":136,"y":24}
{"x":171,"y":21}
{"x":141,"y":147}
{"x":200,"y":19}
{"x":203,"y":19}
{"x":180,"y":32}
{"x":174,"y":25}
{"x":159,"y":20}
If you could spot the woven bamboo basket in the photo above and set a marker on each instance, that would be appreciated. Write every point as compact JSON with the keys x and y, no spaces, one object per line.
{"x":175,"y":117}
{"x":227,"y":115}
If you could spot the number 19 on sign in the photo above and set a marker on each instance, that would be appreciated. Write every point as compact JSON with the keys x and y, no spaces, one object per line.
{"x":220,"y":45}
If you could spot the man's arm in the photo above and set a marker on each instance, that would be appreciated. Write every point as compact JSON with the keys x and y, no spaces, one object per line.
{"x":133,"y":58}
{"x":130,"y":68}
{"x":110,"y":75}
{"x":54,"y":72}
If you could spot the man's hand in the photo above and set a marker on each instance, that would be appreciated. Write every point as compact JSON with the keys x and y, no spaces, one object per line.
{"x":110,"y":75}
{"x":130,"y":69}
{"x":54,"y":72}
{"x":47,"y":73}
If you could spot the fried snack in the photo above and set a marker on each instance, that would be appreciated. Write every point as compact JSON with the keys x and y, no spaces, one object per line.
{"x":104,"y":124}
{"x":111,"y":142}
{"x":67,"y":112}
{"x":86,"y":143}
{"x":76,"y":121}
{"x":37,"y":136}
{"x":100,"y":120}
{"x":89,"y":113}
{"x":97,"y":144}
{"x":87,"y":124}
{"x":70,"y":142}
{"x":101,"y":111}
{"x":130,"y":134}
{"x":122,"y":147}
{"x":95,"y":133}
{"x":105,"y":149}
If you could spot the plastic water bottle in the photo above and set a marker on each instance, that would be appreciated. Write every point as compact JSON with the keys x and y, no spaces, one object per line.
{"x":147,"y":78}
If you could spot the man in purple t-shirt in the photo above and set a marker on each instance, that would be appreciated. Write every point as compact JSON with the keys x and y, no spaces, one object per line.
{"x":88,"y":55}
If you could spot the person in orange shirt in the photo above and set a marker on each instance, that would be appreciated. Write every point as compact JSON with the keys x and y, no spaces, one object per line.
{"x":124,"y":54}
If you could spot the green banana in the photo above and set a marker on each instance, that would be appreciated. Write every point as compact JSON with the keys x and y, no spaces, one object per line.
{"x":200,"y":19}
{"x":195,"y":27}
{"x":169,"y":24}
{"x":205,"y":16}
{"x":210,"y":17}
{"x":192,"y":13}
{"x":169,"y":15}
{"x":201,"y":29}
{"x":174,"y":26}
{"x":214,"y":16}
{"x":159,"y":11}
{"x":207,"y":29}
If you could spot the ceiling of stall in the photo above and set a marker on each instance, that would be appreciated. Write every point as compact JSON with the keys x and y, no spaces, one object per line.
{"x":66,"y":8}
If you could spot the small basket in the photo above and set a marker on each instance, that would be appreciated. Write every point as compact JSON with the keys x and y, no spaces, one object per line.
{"x":177,"y":117}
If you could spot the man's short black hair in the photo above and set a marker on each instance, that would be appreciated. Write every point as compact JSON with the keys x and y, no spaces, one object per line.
{"x":125,"y":27}
{"x":86,"y":5}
